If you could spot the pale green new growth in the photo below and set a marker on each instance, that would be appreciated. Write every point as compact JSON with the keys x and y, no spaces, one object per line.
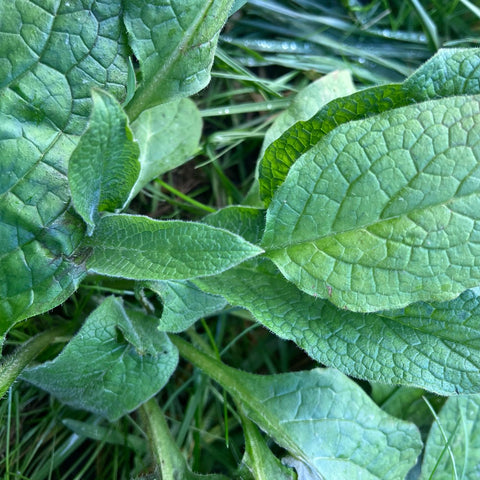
{"x":161,"y":135}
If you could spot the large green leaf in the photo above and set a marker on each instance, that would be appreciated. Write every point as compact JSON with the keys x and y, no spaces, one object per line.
{"x":117,"y":361}
{"x":51,"y":54}
{"x":384,"y":211}
{"x":161,"y":134}
{"x":432,"y":346}
{"x":140,"y":248}
{"x":450,"y":72}
{"x":322,"y":418}
{"x":104,"y":166}
{"x":453,"y":445}
{"x":174,"y":42}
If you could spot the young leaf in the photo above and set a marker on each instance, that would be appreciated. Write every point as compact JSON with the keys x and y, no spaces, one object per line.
{"x":308,"y":102}
{"x":175,"y":45}
{"x":140,"y":248}
{"x":453,"y":449}
{"x":183,"y":304}
{"x":384,"y":211}
{"x":258,"y":458}
{"x":52,"y":53}
{"x":102,"y":373}
{"x":104,"y":166}
{"x":161,"y":134}
{"x":431,"y":346}
{"x":322,"y":418}
{"x":450,"y":72}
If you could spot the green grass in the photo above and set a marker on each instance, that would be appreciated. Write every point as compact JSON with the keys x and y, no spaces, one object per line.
{"x":268,"y":51}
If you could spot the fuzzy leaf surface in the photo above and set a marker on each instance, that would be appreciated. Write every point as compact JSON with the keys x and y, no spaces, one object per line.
{"x":50,"y":56}
{"x":105,"y":374}
{"x":183,"y":304}
{"x":426,"y":345}
{"x":104,"y":166}
{"x":321,"y":417}
{"x":450,"y":72}
{"x":456,"y":434}
{"x":140,"y":248}
{"x":174,"y":42}
{"x":168,"y":135}
{"x":384,"y":211}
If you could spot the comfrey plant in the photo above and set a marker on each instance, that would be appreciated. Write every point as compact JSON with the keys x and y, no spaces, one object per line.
{"x":361,"y":243}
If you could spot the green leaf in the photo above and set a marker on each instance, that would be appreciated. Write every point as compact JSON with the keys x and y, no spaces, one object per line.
{"x":248,"y":222}
{"x":51,"y":53}
{"x":161,"y":134}
{"x":104,"y":373}
{"x":308,"y":102}
{"x":385,"y":210}
{"x":431,"y":346}
{"x":450,"y":72}
{"x":140,"y":248}
{"x":322,"y":418}
{"x":453,"y":445}
{"x":258,"y":458}
{"x":175,"y":44}
{"x":170,"y":460}
{"x":407,"y":403}
{"x":183,"y":304}
{"x":104,"y":166}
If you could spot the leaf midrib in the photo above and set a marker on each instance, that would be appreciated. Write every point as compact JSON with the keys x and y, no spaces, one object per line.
{"x":149,"y":87}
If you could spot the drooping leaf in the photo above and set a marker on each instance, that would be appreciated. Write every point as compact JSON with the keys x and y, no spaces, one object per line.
{"x":105,"y":374}
{"x":453,"y":444}
{"x":104,"y":166}
{"x":431,"y":346}
{"x":322,"y":418}
{"x":168,"y":135}
{"x":450,"y":72}
{"x":183,"y":304}
{"x":175,"y":44}
{"x":51,"y":54}
{"x":140,"y":248}
{"x":384,"y":211}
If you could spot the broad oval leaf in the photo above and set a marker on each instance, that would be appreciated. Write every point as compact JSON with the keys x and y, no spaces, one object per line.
{"x":450,"y":72}
{"x":384,"y":211}
{"x":51,"y":53}
{"x":140,"y":248}
{"x":99,"y":372}
{"x":174,"y":42}
{"x":104,"y":166}
{"x":426,"y":345}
